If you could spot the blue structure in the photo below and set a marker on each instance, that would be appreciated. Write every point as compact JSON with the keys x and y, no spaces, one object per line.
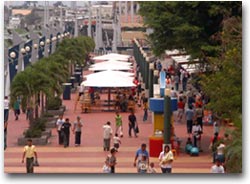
{"x":27,"y":56}
{"x":13,"y":62}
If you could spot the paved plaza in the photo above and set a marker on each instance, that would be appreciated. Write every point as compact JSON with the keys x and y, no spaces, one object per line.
{"x":89,"y":157}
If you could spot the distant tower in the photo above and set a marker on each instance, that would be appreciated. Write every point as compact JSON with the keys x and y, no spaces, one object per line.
{"x":89,"y":22}
{"x":73,"y":4}
{"x":46,"y":13}
{"x":116,"y":27}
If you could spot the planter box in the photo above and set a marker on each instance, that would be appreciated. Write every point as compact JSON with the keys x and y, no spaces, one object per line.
{"x":63,"y":107}
{"x":51,"y":118}
{"x":51,"y":124}
{"x":47,"y":133}
{"x":56,"y":112}
{"x":43,"y":140}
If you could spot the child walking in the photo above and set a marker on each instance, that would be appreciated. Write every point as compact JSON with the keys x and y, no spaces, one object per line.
{"x":117,"y":141}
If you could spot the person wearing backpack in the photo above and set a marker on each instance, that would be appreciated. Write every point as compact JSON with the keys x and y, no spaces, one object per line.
{"x":111,"y":160}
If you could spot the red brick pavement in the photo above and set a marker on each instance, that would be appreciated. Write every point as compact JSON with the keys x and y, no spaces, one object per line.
{"x":92,"y":128}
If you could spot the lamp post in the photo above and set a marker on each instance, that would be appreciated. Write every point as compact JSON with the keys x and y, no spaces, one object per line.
{"x":155,"y":77}
{"x":13,"y":56}
{"x":146,"y":71}
{"x":141,"y":64}
{"x":150,"y":79}
{"x":167,"y":117}
{"x":41,"y":48}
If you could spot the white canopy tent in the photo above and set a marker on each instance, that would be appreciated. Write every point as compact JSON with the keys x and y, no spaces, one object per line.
{"x":111,"y":62}
{"x":109,"y":79}
{"x":105,"y":73}
{"x":110,"y":66}
{"x":119,"y":57}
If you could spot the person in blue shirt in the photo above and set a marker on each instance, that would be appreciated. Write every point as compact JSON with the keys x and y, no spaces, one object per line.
{"x":139,"y":154}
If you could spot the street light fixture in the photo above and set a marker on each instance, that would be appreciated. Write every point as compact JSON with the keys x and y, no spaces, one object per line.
{"x":35,"y":46}
{"x":27,"y":48}
{"x":13,"y":55}
{"x":48,"y":41}
{"x":23,"y":51}
{"x":54,"y":39}
{"x":42,"y":43}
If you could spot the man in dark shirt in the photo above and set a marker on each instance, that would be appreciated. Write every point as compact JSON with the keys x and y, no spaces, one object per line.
{"x":66,"y":132}
{"x":132,"y":123}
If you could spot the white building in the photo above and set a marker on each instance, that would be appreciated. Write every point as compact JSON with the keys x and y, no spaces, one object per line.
{"x":106,"y":10}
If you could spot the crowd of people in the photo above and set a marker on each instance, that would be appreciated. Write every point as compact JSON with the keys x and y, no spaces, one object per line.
{"x":191,"y":105}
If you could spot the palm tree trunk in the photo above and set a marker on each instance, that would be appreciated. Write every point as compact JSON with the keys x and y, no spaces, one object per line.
{"x":30,"y":111}
{"x":42,"y":103}
{"x":36,"y":106}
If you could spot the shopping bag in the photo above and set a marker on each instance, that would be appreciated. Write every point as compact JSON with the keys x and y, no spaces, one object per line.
{"x":137,"y":129}
{"x":106,"y":169}
{"x":35,"y":162}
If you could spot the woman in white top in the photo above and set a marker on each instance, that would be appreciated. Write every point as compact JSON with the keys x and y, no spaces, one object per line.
{"x":220,"y":153}
{"x":166,"y":158}
{"x":6,"y":108}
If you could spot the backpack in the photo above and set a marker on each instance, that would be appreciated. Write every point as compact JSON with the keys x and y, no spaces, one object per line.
{"x":194,"y":151}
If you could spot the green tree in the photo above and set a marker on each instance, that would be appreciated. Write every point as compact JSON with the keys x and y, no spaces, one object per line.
{"x":189,"y":25}
{"x":224,"y":85}
{"x":27,"y":84}
{"x":211,"y":31}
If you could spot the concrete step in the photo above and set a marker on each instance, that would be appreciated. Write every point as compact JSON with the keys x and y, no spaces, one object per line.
{"x":91,"y":160}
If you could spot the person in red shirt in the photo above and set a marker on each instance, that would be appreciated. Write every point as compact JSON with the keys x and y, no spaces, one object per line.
{"x":198,"y":103}
{"x":181,"y":106}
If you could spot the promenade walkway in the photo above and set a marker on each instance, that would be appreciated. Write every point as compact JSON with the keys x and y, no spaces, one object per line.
{"x":89,"y":157}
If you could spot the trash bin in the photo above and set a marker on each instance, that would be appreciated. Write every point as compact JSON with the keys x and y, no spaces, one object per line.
{"x":78,"y":69}
{"x":66,"y":91}
{"x":72,"y":81}
{"x":78,"y":77}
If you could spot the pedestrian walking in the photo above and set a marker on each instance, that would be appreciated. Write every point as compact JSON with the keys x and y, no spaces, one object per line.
{"x":199,"y":115}
{"x":66,"y":132}
{"x":197,"y":131}
{"x":16,"y":108}
{"x":139,"y":154}
{"x":5,"y":134}
{"x":221,"y":152}
{"x":184,"y":81}
{"x":77,"y":130}
{"x":189,"y":118}
{"x":117,"y":142}
{"x":213,"y":145}
{"x":107,"y":133}
{"x":143,"y":165}
{"x":145,"y":108}
{"x":30,"y":154}
{"x":166,"y":158}
{"x":217,"y":167}
{"x":216,"y":125}
{"x":6,"y":108}
{"x":132,"y":123}
{"x":111,"y":160}
{"x":181,"y":106}
{"x":168,"y":82}
{"x":176,"y":82}
{"x":59,"y":124}
{"x":118,"y":124}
